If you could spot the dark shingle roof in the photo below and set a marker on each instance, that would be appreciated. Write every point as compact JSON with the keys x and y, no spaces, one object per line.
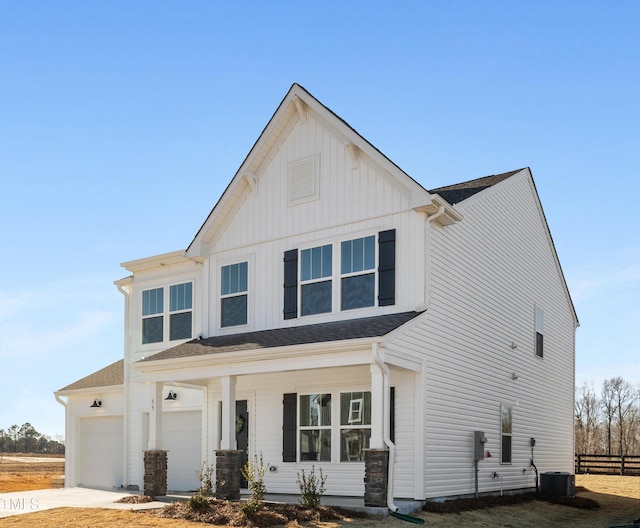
{"x":461,"y":191}
{"x":110,"y":375}
{"x":296,"y":335}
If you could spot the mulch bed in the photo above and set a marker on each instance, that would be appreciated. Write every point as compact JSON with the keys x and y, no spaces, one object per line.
{"x":272,"y":514}
{"x":135,"y":499}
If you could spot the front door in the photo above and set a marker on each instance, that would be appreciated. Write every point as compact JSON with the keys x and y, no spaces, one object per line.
{"x":242,"y":435}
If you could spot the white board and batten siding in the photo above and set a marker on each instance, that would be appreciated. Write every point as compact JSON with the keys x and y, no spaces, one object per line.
{"x":351,"y":202}
{"x":488,"y":274}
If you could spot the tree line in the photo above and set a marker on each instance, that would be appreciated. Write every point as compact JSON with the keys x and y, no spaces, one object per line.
{"x":607,"y":422}
{"x":25,"y":439}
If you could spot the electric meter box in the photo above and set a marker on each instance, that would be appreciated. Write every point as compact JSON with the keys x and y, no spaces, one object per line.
{"x":479,"y":440}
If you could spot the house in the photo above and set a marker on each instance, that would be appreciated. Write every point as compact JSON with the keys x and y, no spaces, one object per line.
{"x":331,"y":311}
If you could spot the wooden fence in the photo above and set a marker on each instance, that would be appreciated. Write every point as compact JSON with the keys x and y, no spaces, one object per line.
{"x":608,"y":464}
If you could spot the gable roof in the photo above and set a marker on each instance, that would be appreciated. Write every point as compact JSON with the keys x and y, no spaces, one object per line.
{"x":110,"y":375}
{"x":296,"y":104}
{"x":458,"y":192}
{"x":376,"y":326}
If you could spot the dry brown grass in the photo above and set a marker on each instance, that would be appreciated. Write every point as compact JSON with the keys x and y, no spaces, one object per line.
{"x":618,"y":497}
{"x":26,"y":476}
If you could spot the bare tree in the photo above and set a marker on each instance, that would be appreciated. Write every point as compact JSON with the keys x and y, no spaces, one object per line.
{"x":587,"y":416}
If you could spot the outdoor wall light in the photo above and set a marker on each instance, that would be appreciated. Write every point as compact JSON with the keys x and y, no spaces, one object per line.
{"x":96,"y":403}
{"x":171,"y":396}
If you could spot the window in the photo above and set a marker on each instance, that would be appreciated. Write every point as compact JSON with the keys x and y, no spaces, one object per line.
{"x":358,"y":260}
{"x":355,"y":425}
{"x":315,"y":290}
{"x":539,"y":332}
{"x":233,"y":289}
{"x":308,"y":276}
{"x":180,"y":313}
{"x":315,"y":427}
{"x":505,"y":434}
{"x":180,"y":305}
{"x":152,"y":318}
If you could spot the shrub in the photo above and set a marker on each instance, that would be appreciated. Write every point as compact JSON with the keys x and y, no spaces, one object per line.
{"x":198,"y":503}
{"x":205,"y":476}
{"x":254,"y":473}
{"x":311,"y":488}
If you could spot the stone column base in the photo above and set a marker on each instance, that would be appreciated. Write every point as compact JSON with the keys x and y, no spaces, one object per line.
{"x":376,"y":475}
{"x":228,"y":474}
{"x":155,"y":473}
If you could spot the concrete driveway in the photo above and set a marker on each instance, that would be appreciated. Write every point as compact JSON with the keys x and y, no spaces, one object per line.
{"x":20,"y":502}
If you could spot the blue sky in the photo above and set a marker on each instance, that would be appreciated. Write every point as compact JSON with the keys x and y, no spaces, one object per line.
{"x":121,"y":123}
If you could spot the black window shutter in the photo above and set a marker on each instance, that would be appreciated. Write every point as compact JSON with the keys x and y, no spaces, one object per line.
{"x":291,"y":284}
{"x":387,"y":267}
{"x":289,"y":427}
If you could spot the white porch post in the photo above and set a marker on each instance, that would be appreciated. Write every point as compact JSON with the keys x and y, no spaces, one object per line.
{"x":377,"y":408}
{"x":155,"y":419}
{"x":228,"y":440}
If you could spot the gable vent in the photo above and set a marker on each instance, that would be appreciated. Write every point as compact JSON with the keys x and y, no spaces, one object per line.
{"x":303,"y":180}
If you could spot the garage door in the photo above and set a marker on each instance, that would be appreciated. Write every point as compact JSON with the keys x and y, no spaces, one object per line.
{"x":100,"y":452}
{"x":182,"y":437}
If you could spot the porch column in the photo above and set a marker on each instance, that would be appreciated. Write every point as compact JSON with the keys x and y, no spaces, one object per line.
{"x":228,"y":457}
{"x":228,"y":440}
{"x":377,"y":408}
{"x":155,"y":458}
{"x":155,"y":418}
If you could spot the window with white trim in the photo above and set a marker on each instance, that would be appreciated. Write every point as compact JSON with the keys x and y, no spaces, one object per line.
{"x":179,"y":315}
{"x":506,"y":425}
{"x":152,"y":316}
{"x":315,"y":279}
{"x":539,"y":332}
{"x":358,"y":261}
{"x":233,"y":294}
{"x":355,"y":425}
{"x":315,"y":427}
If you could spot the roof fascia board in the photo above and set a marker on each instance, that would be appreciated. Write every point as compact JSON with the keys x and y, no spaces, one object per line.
{"x":255,"y":355}
{"x":90,"y":390}
{"x":147,"y":263}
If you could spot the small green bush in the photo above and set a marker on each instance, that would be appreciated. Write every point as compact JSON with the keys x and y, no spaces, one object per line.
{"x":311,"y":488}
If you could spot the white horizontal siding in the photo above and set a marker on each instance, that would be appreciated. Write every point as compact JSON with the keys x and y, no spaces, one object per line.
{"x":488,"y":273}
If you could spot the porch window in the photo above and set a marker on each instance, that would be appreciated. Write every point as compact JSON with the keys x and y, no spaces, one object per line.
{"x":506,"y":419}
{"x":355,"y":425}
{"x":233,"y":289}
{"x":315,"y":427}
{"x":315,"y":276}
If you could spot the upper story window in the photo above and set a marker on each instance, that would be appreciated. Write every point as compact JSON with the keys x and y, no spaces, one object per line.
{"x":358,"y":258}
{"x":152,"y":316}
{"x":180,"y":311}
{"x":315,"y":290}
{"x":233,"y":294}
{"x":308,"y":276}
{"x":180,"y":319}
{"x":539,"y":332}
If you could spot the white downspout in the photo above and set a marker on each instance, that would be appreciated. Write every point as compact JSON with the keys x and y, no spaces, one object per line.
{"x":427,"y":258}
{"x":386,"y":412}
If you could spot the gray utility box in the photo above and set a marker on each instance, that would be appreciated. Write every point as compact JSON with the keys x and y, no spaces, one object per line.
{"x":557,"y":484}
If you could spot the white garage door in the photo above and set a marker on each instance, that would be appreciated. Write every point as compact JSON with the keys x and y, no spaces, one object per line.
{"x":100,"y":452}
{"x":182,"y":437}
